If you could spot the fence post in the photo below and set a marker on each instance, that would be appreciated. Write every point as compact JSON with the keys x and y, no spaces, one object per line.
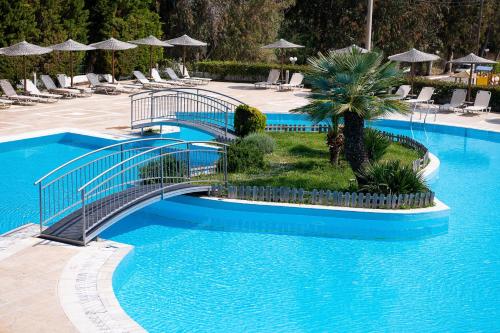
{"x":152,"y":107}
{"x":225,"y":165}
{"x":162,"y":172}
{"x":84,"y":219}
{"x":188,"y":158}
{"x":40,"y":203}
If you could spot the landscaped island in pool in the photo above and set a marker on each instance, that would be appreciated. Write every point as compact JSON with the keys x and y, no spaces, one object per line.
{"x":185,"y":275}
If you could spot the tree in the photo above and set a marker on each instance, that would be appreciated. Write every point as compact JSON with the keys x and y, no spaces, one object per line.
{"x":353,"y":86}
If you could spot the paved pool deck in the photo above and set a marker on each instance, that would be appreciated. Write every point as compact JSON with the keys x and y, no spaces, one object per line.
{"x":48,"y":287}
{"x":111,"y":114}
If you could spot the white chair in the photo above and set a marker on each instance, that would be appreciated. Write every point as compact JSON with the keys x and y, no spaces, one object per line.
{"x":12,"y":95}
{"x":186,"y":75}
{"x":481,"y":103}
{"x":295,"y":82}
{"x":272,"y":79}
{"x":148,"y":84}
{"x":457,"y":100}
{"x":424,"y":97}
{"x":66,"y":92}
{"x":33,"y":90}
{"x":173,"y":78}
{"x":402,"y":91}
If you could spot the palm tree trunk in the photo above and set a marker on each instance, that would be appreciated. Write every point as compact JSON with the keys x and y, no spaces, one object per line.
{"x":354,"y":145}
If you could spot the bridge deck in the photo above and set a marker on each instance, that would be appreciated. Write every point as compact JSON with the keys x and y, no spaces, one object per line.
{"x":216,"y":131}
{"x":70,"y":228}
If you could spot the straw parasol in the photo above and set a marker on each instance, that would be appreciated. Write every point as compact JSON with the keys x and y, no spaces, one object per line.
{"x":471,"y":59}
{"x":24,"y":49}
{"x":413,"y":56}
{"x":184,"y":41}
{"x":282,"y":45}
{"x":71,"y":46}
{"x":151,"y":41}
{"x":351,"y":48}
{"x":113,"y":45}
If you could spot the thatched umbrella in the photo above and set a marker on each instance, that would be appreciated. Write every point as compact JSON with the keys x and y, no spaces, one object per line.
{"x":282,"y":45}
{"x":184,"y":41}
{"x":113,"y":45}
{"x":71,"y":46}
{"x":351,"y":48}
{"x":24,"y":49}
{"x":471,"y":59}
{"x":413,"y":56}
{"x":151,"y":41}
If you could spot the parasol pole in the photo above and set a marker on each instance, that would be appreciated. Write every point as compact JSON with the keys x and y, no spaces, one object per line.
{"x":469,"y":87}
{"x":71,"y":66}
{"x":24,"y":67}
{"x":412,"y":76}
{"x":113,"y":65}
{"x":282,"y":63}
{"x":150,"y":60}
{"x":183,"y":60}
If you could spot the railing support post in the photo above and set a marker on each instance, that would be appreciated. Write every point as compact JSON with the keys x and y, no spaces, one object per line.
{"x":84,"y":220}
{"x":225,"y":167}
{"x":188,"y":161}
{"x":225,"y":123}
{"x":162,"y":173}
{"x":152,"y":107}
{"x":40,"y":203}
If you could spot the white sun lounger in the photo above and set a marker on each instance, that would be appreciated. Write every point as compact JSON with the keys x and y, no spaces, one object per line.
{"x":5,"y":103}
{"x":122,"y":87}
{"x":33,"y":90}
{"x":457,"y":100}
{"x":98,"y":86}
{"x":295,"y":82}
{"x":67,"y":92}
{"x":65,"y":82}
{"x":174,"y":78}
{"x":186,"y":75}
{"x":402,"y":91}
{"x":148,"y":84}
{"x":424,"y":97}
{"x":272,"y":79}
{"x":11,"y":94}
{"x":481,"y":103}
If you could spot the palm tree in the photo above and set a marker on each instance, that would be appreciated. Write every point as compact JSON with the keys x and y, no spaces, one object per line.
{"x":355,"y":87}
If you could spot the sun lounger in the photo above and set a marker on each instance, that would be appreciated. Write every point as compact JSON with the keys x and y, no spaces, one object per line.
{"x":424,"y":97}
{"x":33,"y":90}
{"x":456,"y":102}
{"x":186,"y":75}
{"x":481,"y":103}
{"x":67,"y":92}
{"x":122,"y":87}
{"x":295,"y":82}
{"x":11,"y":94}
{"x":107,"y":88}
{"x":148,"y":84}
{"x":402,"y":91}
{"x":272,"y":79}
{"x":173,"y":78}
{"x":65,"y":82}
{"x":5,"y":103}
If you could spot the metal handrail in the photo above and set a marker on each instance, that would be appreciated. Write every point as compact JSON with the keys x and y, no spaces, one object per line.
{"x":187,"y":88}
{"x":99,"y":150}
{"x":144,"y":153}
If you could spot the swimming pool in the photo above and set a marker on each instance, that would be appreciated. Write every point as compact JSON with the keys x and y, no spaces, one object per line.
{"x":186,"y":276}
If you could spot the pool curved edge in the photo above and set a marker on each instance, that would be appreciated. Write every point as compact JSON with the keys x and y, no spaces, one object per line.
{"x":86,"y":291}
{"x":432,"y":169}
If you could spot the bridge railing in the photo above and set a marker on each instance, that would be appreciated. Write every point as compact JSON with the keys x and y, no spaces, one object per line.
{"x":58,"y":189}
{"x":183,"y":104}
{"x":148,"y":174}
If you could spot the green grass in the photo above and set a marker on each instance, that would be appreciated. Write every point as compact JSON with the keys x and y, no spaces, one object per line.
{"x":301,"y":160}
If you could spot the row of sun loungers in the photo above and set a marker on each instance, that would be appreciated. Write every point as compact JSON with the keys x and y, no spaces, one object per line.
{"x":296,"y":81}
{"x":457,"y":103}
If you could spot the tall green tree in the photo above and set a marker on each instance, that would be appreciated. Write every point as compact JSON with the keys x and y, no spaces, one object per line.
{"x":353,"y":86}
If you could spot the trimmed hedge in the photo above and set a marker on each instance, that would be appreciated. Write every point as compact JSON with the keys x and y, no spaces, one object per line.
{"x":228,"y":70}
{"x":248,"y":120}
{"x":444,"y":90}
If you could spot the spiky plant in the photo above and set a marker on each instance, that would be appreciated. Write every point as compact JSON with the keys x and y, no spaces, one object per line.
{"x":355,"y":87}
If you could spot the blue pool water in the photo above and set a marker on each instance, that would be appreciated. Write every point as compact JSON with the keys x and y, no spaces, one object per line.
{"x":185,"y":275}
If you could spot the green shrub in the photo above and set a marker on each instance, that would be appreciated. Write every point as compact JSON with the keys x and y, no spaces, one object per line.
{"x":391,"y":177}
{"x":255,"y":71}
{"x":248,"y":120}
{"x":376,"y":144}
{"x":261,"y":141}
{"x":444,"y":90}
{"x":243,"y":156}
{"x":172,"y":167}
